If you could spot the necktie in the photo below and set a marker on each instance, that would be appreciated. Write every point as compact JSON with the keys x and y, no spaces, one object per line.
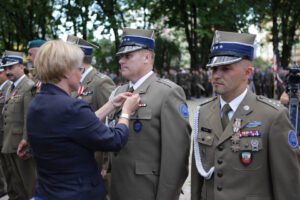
{"x":12,"y":87}
{"x":226,"y":109}
{"x":131,"y":89}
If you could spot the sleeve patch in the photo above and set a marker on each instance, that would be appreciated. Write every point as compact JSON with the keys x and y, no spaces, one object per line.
{"x":184,"y":111}
{"x":293,"y":139}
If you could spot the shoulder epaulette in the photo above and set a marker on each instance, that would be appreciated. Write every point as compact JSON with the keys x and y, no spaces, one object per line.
{"x":208,"y":100}
{"x":166,"y":82}
{"x":100,"y":75}
{"x":272,"y":103}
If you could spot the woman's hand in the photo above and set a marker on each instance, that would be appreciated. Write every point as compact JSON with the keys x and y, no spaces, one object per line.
{"x":118,"y":100}
{"x":131,"y":104}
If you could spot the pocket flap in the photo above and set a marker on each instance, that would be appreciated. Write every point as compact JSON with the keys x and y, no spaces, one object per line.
{"x":142,"y":113}
{"x":205,"y":138}
{"x":144,"y":167}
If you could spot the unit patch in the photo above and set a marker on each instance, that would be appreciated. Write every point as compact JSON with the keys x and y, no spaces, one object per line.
{"x":293,"y":139}
{"x":184,"y":111}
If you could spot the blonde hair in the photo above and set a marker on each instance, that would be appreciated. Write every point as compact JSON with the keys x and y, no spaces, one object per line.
{"x":55,"y":58}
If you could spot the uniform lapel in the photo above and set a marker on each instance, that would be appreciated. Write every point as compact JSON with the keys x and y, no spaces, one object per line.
{"x":88,"y":78}
{"x":214,"y":120}
{"x":244,"y":109}
{"x":143,"y":88}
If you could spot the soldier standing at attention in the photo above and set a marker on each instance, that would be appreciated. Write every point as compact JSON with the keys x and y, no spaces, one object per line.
{"x":18,"y":164}
{"x":95,"y":88}
{"x":269,"y":83}
{"x":244,"y":145}
{"x":257,"y":81}
{"x":154,"y":163}
{"x":4,"y":85}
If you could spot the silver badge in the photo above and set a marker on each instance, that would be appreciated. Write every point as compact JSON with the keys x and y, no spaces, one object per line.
{"x":254,"y":144}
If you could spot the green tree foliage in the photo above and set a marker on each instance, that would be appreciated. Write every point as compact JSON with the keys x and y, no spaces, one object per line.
{"x":167,"y":54}
{"x":284,"y":15}
{"x":22,"y":21}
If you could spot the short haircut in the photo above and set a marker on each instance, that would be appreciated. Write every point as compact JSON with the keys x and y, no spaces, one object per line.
{"x":55,"y":58}
{"x":87,"y":60}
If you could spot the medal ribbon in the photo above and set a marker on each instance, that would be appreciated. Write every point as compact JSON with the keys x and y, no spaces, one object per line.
{"x":38,"y":84}
{"x":237,"y":125}
{"x":80,"y":90}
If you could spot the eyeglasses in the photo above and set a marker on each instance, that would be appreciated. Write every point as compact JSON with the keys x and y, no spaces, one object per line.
{"x":81,"y":69}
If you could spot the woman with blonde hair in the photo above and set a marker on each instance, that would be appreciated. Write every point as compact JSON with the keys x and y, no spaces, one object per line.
{"x":64,"y":132}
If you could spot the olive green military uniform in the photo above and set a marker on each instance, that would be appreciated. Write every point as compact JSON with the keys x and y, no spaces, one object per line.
{"x":269,"y":84}
{"x":154,"y":163}
{"x":257,"y":77}
{"x":3,"y":91}
{"x":97,"y":88}
{"x":256,"y":159}
{"x":20,"y":174}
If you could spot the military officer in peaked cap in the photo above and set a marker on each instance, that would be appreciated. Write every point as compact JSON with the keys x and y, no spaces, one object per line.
{"x":95,"y":88}
{"x":244,"y":145}
{"x":154,"y":163}
{"x":18,"y":165}
{"x":4,"y":85}
{"x":32,"y":48}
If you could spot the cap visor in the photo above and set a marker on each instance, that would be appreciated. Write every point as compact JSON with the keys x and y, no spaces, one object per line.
{"x":128,"y":49}
{"x":223,"y":60}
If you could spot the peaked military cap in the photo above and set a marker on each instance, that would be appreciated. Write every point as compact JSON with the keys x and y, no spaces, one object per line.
{"x":136,"y":39}
{"x":228,"y":48}
{"x":11,"y":58}
{"x":35,"y":43}
{"x":86,"y":47}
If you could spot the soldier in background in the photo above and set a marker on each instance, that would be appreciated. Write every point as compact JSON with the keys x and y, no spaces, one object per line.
{"x":269,"y":83}
{"x":32,"y":49}
{"x":205,"y":82}
{"x":18,"y":164}
{"x":4,"y":85}
{"x":95,"y":88}
{"x":187,"y":83}
{"x":196,"y":84}
{"x":257,"y":80}
{"x":172,"y":75}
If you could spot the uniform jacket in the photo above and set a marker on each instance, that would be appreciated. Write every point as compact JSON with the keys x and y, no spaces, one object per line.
{"x":274,"y":170}
{"x":154,"y":163}
{"x":14,"y":113}
{"x":2,"y":101}
{"x":64,"y":133}
{"x":96,"y":89}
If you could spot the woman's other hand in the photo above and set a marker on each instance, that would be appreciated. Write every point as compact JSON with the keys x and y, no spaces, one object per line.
{"x":118,"y":100}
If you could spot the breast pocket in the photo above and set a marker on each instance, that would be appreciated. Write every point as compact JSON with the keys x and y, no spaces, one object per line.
{"x":142,"y":114}
{"x":17,"y":102}
{"x":251,"y":154}
{"x":205,"y":142}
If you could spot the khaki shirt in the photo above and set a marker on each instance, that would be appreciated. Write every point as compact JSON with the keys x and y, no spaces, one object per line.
{"x":261,"y":167}
{"x":14,"y":113}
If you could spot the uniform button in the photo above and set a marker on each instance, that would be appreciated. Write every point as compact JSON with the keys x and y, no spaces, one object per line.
{"x":220,"y":162}
{"x":219,"y":187}
{"x":220,"y":174}
{"x":221,"y":147}
{"x":115,"y":154}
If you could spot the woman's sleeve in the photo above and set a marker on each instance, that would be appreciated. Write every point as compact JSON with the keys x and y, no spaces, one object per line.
{"x":87,"y":130}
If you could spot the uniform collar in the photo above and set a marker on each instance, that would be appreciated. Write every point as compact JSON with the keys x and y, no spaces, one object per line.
{"x":140,"y":81}
{"x":18,"y":81}
{"x":234,"y":104}
{"x":85,"y":74}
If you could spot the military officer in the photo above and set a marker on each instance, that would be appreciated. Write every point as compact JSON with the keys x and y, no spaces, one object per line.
{"x":4,"y":85}
{"x":95,"y":88}
{"x":18,"y":165}
{"x":244,"y":145}
{"x":32,"y":48}
{"x":154,"y":162}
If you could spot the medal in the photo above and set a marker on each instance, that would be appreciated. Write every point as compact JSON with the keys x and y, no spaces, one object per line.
{"x":137,"y":126}
{"x":80,"y":90}
{"x":235,"y":139}
{"x":38,"y":84}
{"x":235,"y":148}
{"x":237,"y":125}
